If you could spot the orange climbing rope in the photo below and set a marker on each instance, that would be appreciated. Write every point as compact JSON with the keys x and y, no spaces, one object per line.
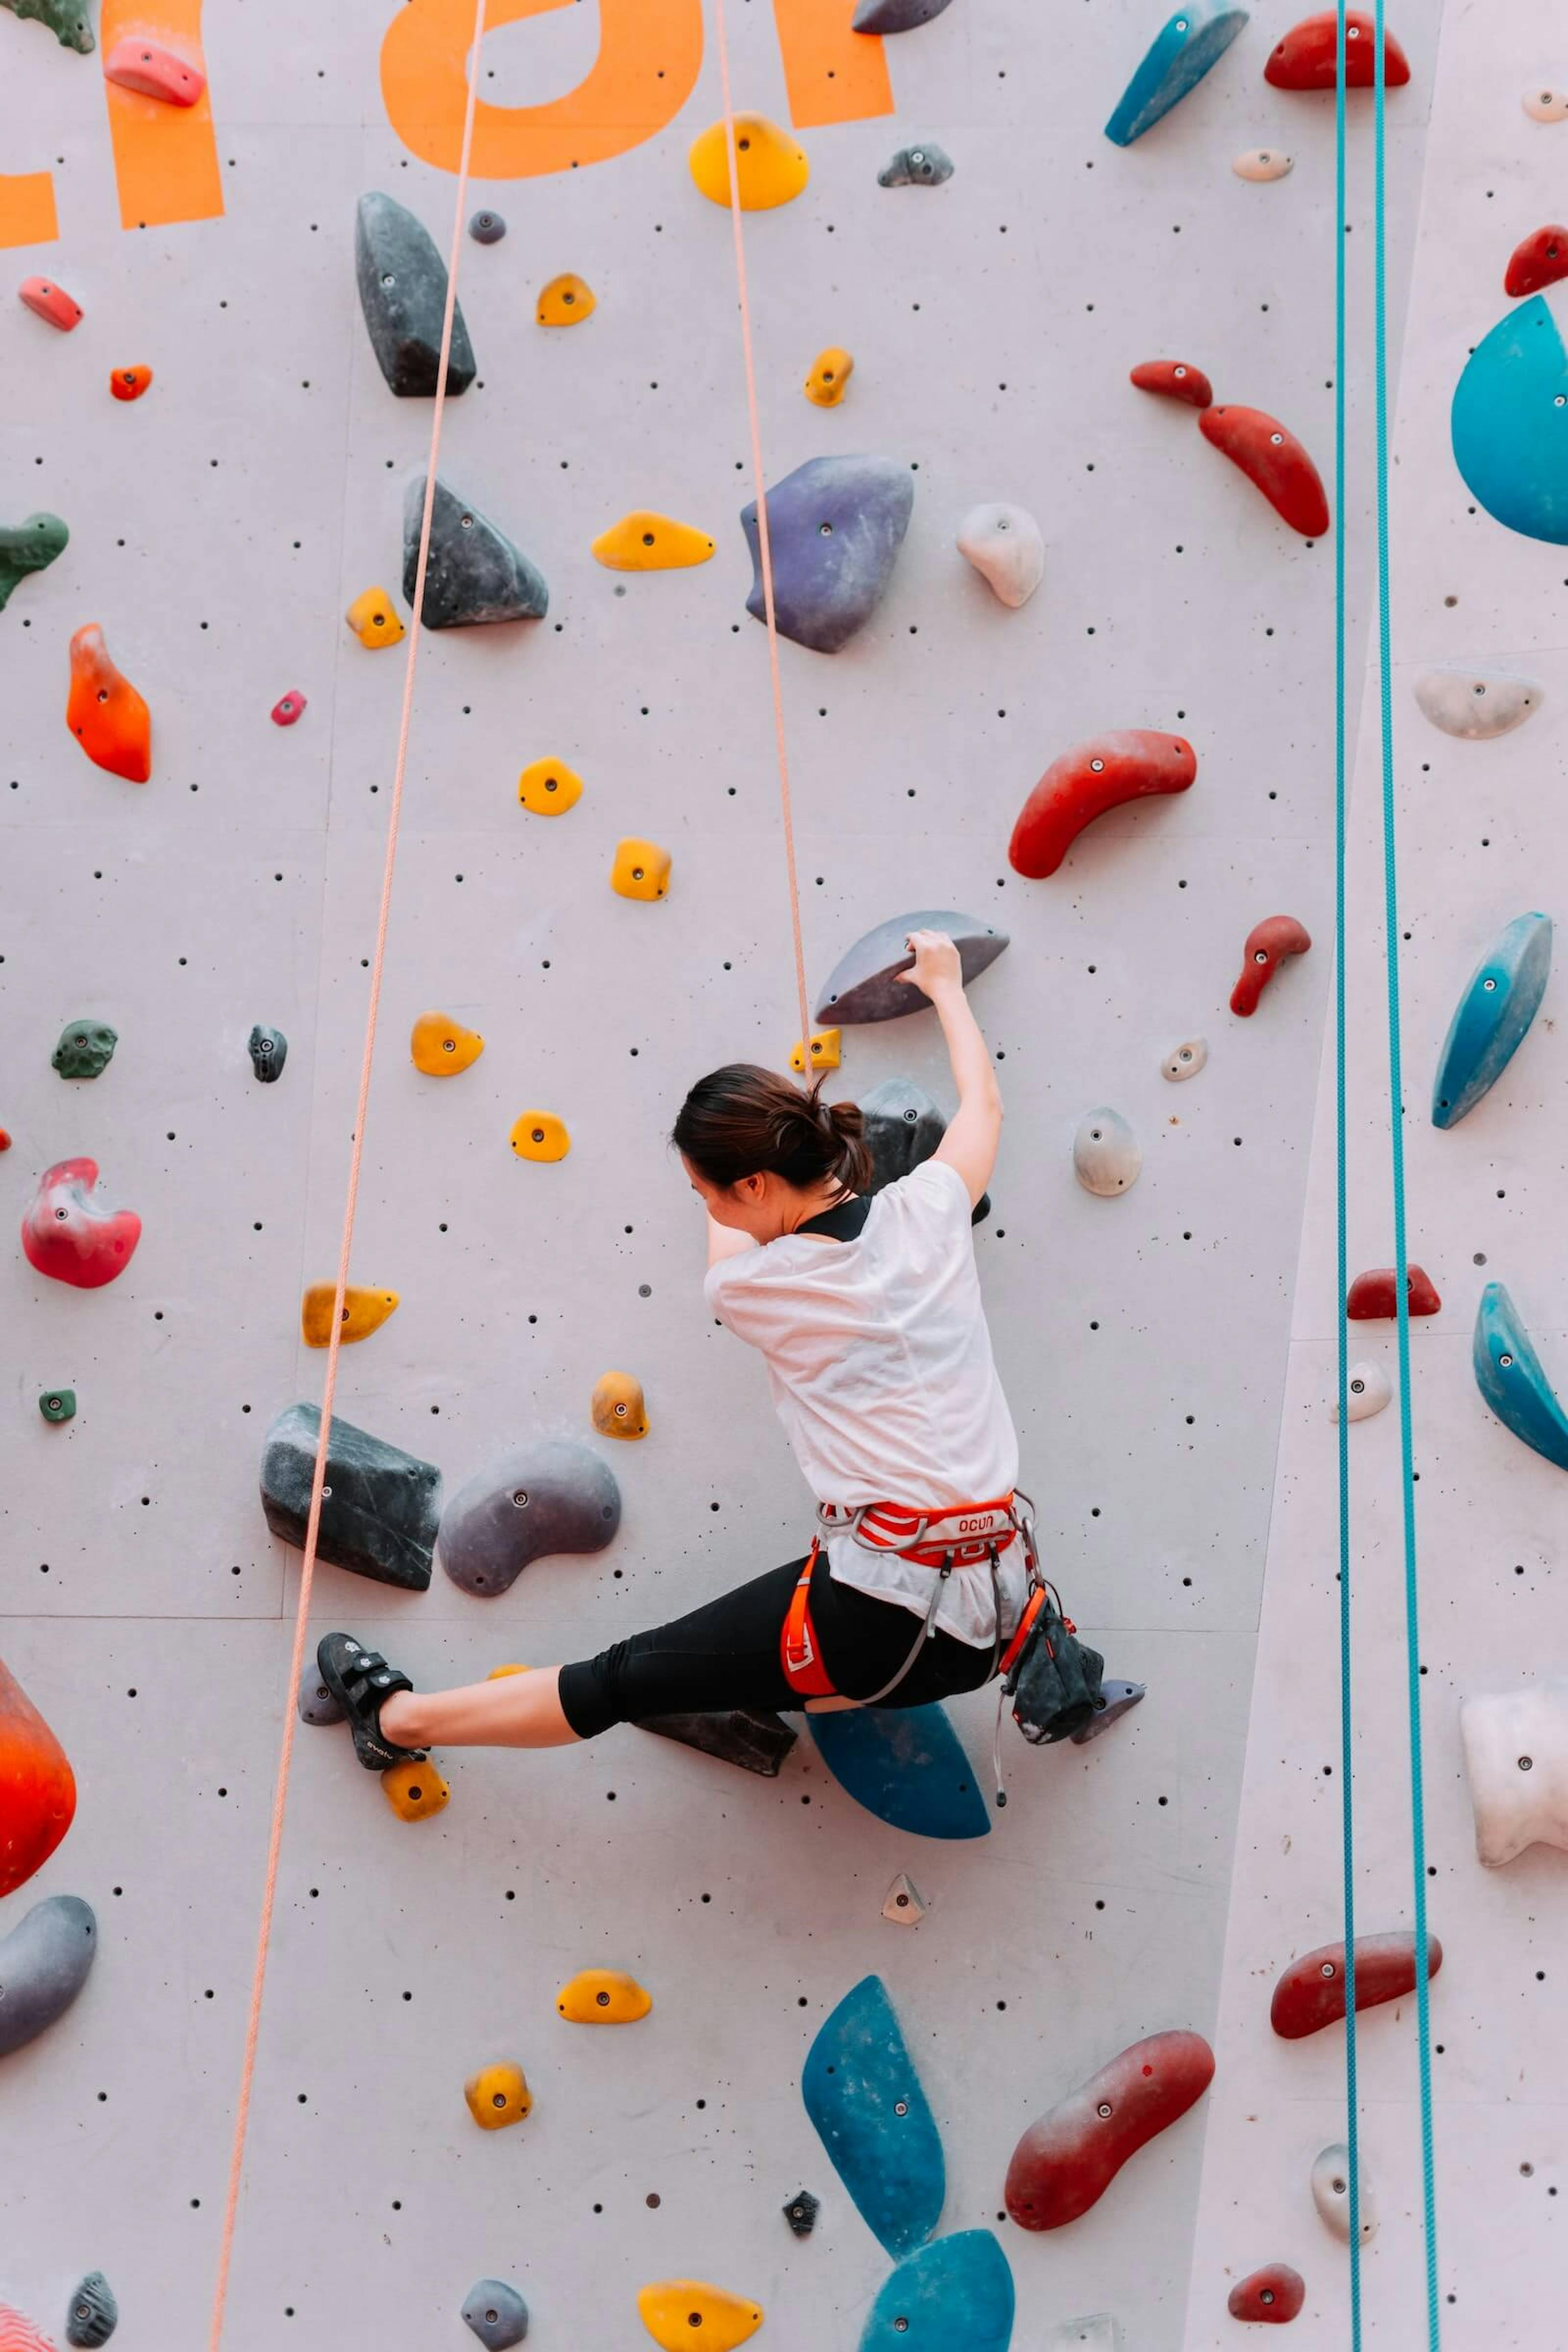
{"x":308,"y":1565}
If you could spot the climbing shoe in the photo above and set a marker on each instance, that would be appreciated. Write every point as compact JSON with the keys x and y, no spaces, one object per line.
{"x":362,"y":1681}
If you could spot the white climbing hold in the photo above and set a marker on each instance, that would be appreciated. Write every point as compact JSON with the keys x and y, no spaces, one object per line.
{"x":1331,"y":2195}
{"x":1262,"y":164}
{"x":1005,"y":545}
{"x":1105,"y":1154}
{"x":1462,"y":703}
{"x":1516,"y":1754}
{"x":1545,"y":105}
{"x":903,"y":1903}
{"x":1369,"y":1390}
{"x":1185,"y":1060}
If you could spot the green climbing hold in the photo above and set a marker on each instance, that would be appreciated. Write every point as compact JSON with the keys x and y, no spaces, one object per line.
{"x":86,"y":1048}
{"x":67,"y":20}
{"x":58,"y":1405}
{"x":30,"y":546}
{"x":380,"y":1506}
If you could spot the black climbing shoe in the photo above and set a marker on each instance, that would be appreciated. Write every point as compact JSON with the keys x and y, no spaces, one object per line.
{"x":361,"y":1680}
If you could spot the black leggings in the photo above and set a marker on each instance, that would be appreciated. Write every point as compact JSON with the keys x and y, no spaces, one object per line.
{"x":726,"y":1655}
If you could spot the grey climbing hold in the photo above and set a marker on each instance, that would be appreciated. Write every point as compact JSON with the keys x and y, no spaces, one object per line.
{"x":903,"y":1127}
{"x":94,"y":2314}
{"x":925,"y":166}
{"x":835,"y":528}
{"x":67,"y":20}
{"x":549,"y":1495}
{"x":801,"y":2213}
{"x":1005,"y":545}
{"x":1461,"y":703}
{"x":269,"y":1050}
{"x":865,"y":985}
{"x":85,"y":1047}
{"x":403,"y":293}
{"x":380,"y":1508}
{"x":750,"y":1736}
{"x":1117,"y":1699}
{"x":1185,"y":1060}
{"x":314,"y":1700}
{"x":1331,"y":2195}
{"x":496,"y":2314}
{"x":894,"y":15}
{"x":903,"y":1903}
{"x":487,"y":227}
{"x":1369,"y":1390}
{"x":44,"y":1964}
{"x":1105,"y":1154}
{"x":30,"y":546}
{"x":475,"y":573}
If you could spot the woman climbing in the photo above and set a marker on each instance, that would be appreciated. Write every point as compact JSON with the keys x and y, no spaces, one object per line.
{"x":867,"y":1310}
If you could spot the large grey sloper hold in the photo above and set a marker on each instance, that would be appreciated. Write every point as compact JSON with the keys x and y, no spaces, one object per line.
{"x":403,"y":293}
{"x":44,"y":1964}
{"x":549,"y":1495}
{"x":475,"y":573}
{"x":894,"y":15}
{"x":835,"y":528}
{"x":94,"y":2314}
{"x":750,"y":1736}
{"x":382,"y":1506}
{"x":925,"y":166}
{"x":904,"y":1126}
{"x":496,"y":2314}
{"x":864,"y":984}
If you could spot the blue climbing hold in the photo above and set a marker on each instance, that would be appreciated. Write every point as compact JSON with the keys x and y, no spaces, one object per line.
{"x":958,"y":2291}
{"x":863,"y":2095}
{"x":1490,"y":1020}
{"x":835,"y":528}
{"x":1510,"y":424}
{"x":1509,"y":1374}
{"x":905,"y":1765}
{"x":1184,"y":50}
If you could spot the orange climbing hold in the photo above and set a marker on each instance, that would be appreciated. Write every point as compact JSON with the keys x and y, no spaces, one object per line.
{"x":129,"y":384}
{"x":364,"y":1311}
{"x":1274,"y":461}
{"x":1540,"y":260}
{"x":1176,"y":379}
{"x":441,"y":1047}
{"x":1307,"y":56}
{"x":51,"y":304}
{"x":153,"y":72}
{"x":498,"y":2095}
{"x":540,"y":1135}
{"x":602,"y":1996}
{"x":829,"y":378}
{"x":1373,"y":1297}
{"x":566,"y":301}
{"x":641,"y":870}
{"x":374,"y":619}
{"x":549,"y":787}
{"x":104,"y":711}
{"x":38,"y":1788}
{"x":824,"y":1050}
{"x":1268,"y":944}
{"x":617,"y":1407}
{"x":415,"y":1791}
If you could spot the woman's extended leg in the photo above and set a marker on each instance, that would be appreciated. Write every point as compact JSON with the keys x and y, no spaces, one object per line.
{"x":514,"y":1711}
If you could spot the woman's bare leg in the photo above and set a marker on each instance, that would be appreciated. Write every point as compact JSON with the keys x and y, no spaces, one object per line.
{"x":513,"y":1711}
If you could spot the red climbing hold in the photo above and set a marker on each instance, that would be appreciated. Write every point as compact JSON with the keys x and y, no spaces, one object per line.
{"x":73,"y":1237}
{"x":1274,"y":460}
{"x":153,"y":72}
{"x":1307,"y":56}
{"x":1067,"y":2161}
{"x":47,"y":300}
{"x":5,"y":1141}
{"x":1176,"y":380}
{"x":287,"y":710}
{"x":1373,"y":1297}
{"x":129,"y":384}
{"x":1268,"y":943}
{"x":1086,"y":782}
{"x":1540,"y":260}
{"x":1272,"y":2295}
{"x":38,"y":1789}
{"x":1311,"y":1992}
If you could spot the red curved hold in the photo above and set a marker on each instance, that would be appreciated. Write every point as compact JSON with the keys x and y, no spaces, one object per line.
{"x":1267,"y":946}
{"x":1307,"y":56}
{"x":1272,"y":2296}
{"x":1067,"y":2161}
{"x":1311,"y":1992}
{"x":1086,"y":782}
{"x":1272,"y":458}
{"x":1373,"y":1297}
{"x":71,"y":1235}
{"x":1175,"y":379}
{"x":289,"y":710}
{"x":1540,"y":260}
{"x":153,"y":72}
{"x":51,"y":302}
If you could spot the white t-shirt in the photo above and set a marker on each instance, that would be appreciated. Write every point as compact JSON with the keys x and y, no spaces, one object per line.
{"x":880,"y":1367}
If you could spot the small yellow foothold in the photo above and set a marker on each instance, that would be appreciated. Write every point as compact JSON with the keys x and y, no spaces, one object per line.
{"x":602,"y":1996}
{"x":496,"y":1672}
{"x":540,"y":1135}
{"x":364,"y":1311}
{"x":374,"y":619}
{"x":679,"y":2312}
{"x":415,"y":1791}
{"x":617,"y":1406}
{"x":498,"y":2095}
{"x":565,"y":301}
{"x":549,"y":787}
{"x":771,"y":168}
{"x":442,"y":1047}
{"x":644,"y":541}
{"x":829,"y":378}
{"x":825,"y":1050}
{"x":641,"y":870}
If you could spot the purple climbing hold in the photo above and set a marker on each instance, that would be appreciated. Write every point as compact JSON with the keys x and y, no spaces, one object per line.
{"x":835,"y":528}
{"x":551,"y":1496}
{"x":865,"y":984}
{"x":487,"y":227}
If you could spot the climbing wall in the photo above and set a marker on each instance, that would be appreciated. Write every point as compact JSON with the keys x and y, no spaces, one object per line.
{"x":221,"y":521}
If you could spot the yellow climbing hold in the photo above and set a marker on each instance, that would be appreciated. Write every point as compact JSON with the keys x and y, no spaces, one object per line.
{"x":540,"y":1135}
{"x":549,"y":787}
{"x":497,"y":1672}
{"x":374,"y":619}
{"x":498,"y":2095}
{"x":829,"y":378}
{"x":825,"y":1051}
{"x":617,"y":1406}
{"x":415,"y":1791}
{"x":641,"y":870}
{"x":602,"y":1996}
{"x":644,"y":541}
{"x":364,"y":1311}
{"x":771,"y":168}
{"x":565,"y":301}
{"x":681,"y":2312}
{"x":442,"y":1047}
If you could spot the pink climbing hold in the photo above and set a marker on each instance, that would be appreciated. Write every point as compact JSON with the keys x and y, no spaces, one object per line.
{"x":71,"y":1235}
{"x":153,"y":72}
{"x":1175,"y":379}
{"x":1272,"y":2296}
{"x":1373,"y":1297}
{"x":50,"y":301}
{"x":1268,"y":944}
{"x":1539,"y":260}
{"x":1311,"y":1992}
{"x":1067,"y":2161}
{"x":18,"y":2333}
{"x":1307,"y":56}
{"x":1274,"y":461}
{"x":290,"y":708}
{"x":1087,"y":781}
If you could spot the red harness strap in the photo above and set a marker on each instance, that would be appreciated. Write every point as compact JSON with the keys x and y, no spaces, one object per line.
{"x":798,"y":1652}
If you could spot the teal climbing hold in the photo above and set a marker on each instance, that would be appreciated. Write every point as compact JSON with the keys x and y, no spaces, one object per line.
{"x":58,"y":1405}
{"x":956,"y":2291}
{"x":474,"y":574}
{"x":94,"y":2314}
{"x":906,"y":1765}
{"x":401,"y":283}
{"x":1509,"y":1375}
{"x":68,"y":20}
{"x":30,"y":546}
{"x":1500,"y":1001}
{"x":864,"y":2098}
{"x":1510,"y":424}
{"x":1184,"y":50}
{"x":86,"y":1048}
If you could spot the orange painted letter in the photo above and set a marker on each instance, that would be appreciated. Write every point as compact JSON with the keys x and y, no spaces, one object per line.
{"x":165,"y":157}
{"x":832,"y":75}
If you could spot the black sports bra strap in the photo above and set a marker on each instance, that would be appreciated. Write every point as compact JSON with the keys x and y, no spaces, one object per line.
{"x":843,"y":1223}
